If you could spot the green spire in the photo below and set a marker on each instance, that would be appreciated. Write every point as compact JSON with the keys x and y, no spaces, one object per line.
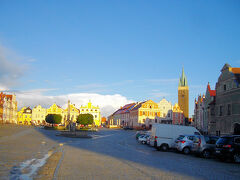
{"x":183,"y":79}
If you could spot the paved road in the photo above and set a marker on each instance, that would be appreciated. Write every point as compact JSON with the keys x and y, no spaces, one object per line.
{"x":111,"y":154}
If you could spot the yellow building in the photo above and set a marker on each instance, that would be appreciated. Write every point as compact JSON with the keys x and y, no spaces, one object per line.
{"x":38,"y":115}
{"x":71,"y":113}
{"x":25,"y":116}
{"x":183,"y":95}
{"x":144,"y":114}
{"x":55,"y":109}
{"x":95,"y":111}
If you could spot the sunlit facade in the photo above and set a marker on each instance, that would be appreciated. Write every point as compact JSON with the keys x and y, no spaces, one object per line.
{"x":38,"y":115}
{"x":25,"y":116}
{"x":94,"y":110}
{"x":55,"y":109}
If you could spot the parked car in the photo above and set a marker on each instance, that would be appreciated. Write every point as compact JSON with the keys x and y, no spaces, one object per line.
{"x":205,"y":145}
{"x":148,"y":139}
{"x":185,"y":143}
{"x":228,"y":147}
{"x":140,"y":133}
{"x":163,"y":136}
{"x":143,"y":139}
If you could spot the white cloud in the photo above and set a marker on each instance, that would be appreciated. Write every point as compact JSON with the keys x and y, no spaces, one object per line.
{"x":107,"y":103}
{"x":10,"y":68}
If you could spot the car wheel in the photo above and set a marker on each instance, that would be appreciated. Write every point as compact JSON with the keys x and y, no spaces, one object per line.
{"x":186,"y":150}
{"x":236,"y":157}
{"x":164,"y":147}
{"x":206,"y":154}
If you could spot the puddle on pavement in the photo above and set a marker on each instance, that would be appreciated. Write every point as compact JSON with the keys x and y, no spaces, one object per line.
{"x":27,"y":169}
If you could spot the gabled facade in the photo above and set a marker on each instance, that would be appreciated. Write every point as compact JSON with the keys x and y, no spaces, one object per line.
{"x":55,"y":109}
{"x":226,"y":106}
{"x":177,"y":115}
{"x":39,"y":115}
{"x":209,"y":109}
{"x":94,"y":110}
{"x":165,"y":109}
{"x":25,"y":116}
{"x":144,"y":114}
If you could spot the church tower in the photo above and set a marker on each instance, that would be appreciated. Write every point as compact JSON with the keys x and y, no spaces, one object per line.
{"x":183,"y":94}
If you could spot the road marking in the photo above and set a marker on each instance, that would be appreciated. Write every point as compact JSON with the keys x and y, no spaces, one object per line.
{"x":97,"y":137}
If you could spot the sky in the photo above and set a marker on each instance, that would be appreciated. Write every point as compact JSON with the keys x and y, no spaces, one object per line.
{"x":114,"y":52}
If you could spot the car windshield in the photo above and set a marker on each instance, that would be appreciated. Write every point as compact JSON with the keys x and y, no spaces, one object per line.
{"x":224,"y":140}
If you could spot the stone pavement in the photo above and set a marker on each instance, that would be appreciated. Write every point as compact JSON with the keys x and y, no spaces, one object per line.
{"x":19,"y":145}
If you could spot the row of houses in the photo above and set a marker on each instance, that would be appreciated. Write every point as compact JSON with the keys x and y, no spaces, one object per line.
{"x":144,"y":114}
{"x":218,"y":111}
{"x":37,"y":115}
{"x":8,"y":108}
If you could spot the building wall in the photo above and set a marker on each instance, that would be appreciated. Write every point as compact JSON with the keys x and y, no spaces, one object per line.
{"x":183,"y":100}
{"x":39,"y":115}
{"x":54,"y":109}
{"x":178,"y":116}
{"x":145,"y":114}
{"x":94,"y":110}
{"x":199,"y":114}
{"x":165,"y":108}
{"x":8,"y":108}
{"x":25,"y":116}
{"x":227,"y":103}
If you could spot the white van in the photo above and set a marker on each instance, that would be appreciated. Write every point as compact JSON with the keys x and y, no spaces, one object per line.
{"x":163,"y":136}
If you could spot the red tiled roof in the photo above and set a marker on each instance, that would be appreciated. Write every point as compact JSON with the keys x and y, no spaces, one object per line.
{"x":212,"y":92}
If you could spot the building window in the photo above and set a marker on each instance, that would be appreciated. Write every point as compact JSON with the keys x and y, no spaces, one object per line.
{"x":95,"y":116}
{"x":229,"y":109}
{"x":212,"y":112}
{"x":224,"y":87}
{"x":82,"y":109}
{"x":220,"y":110}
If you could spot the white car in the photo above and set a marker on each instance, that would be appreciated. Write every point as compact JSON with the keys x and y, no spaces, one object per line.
{"x":143,"y":139}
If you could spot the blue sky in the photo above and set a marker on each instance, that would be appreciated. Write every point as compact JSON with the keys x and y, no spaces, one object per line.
{"x":133,"y":48}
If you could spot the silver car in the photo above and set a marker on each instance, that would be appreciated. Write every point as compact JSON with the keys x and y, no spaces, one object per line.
{"x":205,"y":146}
{"x":185,"y":143}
